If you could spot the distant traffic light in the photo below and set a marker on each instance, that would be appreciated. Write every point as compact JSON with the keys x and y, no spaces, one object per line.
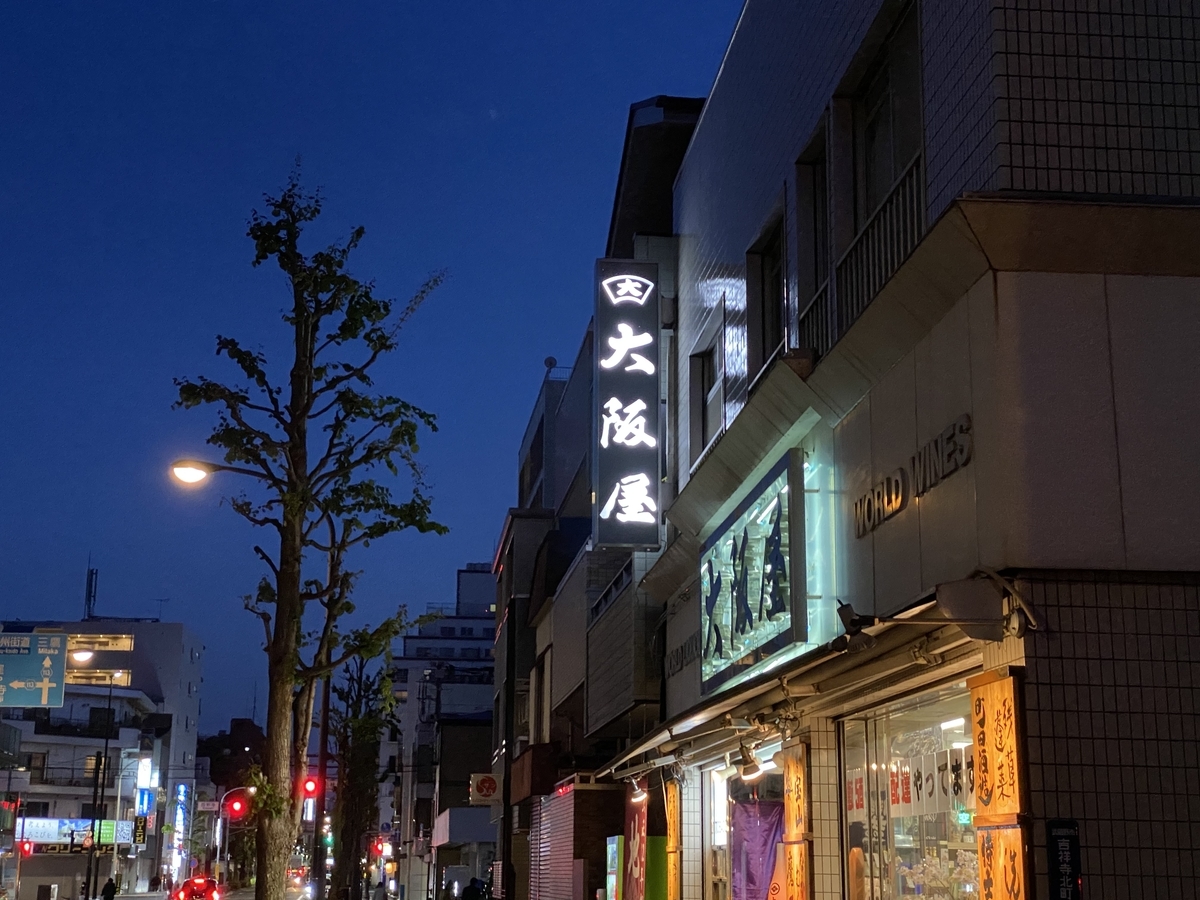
{"x":27,"y":847}
{"x":379,"y":846}
{"x":237,"y":807}
{"x":310,"y":786}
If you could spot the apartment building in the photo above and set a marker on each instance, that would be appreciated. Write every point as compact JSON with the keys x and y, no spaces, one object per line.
{"x":131,"y":706}
{"x":442,"y":674}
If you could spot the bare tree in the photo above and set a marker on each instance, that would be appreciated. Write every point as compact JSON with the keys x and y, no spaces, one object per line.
{"x":311,"y":445}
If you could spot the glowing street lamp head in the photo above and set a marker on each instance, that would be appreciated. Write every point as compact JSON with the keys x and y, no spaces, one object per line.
{"x":190,"y":471}
{"x":82,"y":656}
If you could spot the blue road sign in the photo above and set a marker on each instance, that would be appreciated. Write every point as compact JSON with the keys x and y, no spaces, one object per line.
{"x":33,"y":668}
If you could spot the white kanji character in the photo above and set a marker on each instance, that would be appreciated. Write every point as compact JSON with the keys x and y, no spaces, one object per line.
{"x":625,"y":344}
{"x":632,"y":494}
{"x":629,"y":429}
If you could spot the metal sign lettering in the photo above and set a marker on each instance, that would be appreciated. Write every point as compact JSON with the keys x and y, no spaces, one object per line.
{"x":627,"y":453}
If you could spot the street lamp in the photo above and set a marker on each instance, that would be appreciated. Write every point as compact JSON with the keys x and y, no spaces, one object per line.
{"x":193,"y":471}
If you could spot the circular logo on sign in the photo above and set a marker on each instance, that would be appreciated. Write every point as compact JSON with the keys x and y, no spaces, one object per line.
{"x":486,"y":786}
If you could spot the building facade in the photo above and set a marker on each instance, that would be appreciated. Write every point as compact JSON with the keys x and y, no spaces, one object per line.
{"x":442,"y":674}
{"x":131,"y":702}
{"x":924,"y":614}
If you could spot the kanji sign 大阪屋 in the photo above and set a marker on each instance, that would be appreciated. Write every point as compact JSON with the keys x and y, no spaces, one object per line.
{"x":627,"y":443}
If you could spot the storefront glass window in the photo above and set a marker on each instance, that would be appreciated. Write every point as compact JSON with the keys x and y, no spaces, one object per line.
{"x":908,"y":800}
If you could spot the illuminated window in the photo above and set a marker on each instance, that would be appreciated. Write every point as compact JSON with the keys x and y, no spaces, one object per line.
{"x":102,"y":677}
{"x":908,"y":799}
{"x":108,"y":642}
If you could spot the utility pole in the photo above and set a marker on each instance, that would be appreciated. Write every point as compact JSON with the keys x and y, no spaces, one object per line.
{"x":317,"y":875}
{"x":87,"y":878}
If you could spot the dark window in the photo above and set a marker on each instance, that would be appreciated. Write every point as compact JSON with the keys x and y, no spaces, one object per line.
{"x":888,"y":116}
{"x":773,"y":296}
{"x":448,"y":631}
{"x":820,"y":223}
{"x":36,"y":809}
{"x":423,"y":651}
{"x":467,"y":632}
{"x":98,"y":811}
{"x":705,"y":404}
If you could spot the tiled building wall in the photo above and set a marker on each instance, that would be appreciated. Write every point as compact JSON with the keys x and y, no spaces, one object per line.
{"x":779,"y":72}
{"x":1098,"y":96}
{"x":825,"y":791}
{"x":693,"y":838}
{"x":957,"y":81}
{"x":1112,"y":697}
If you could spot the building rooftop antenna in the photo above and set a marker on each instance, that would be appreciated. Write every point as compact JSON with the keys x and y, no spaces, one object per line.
{"x":89,"y":595}
{"x":160,"y":601}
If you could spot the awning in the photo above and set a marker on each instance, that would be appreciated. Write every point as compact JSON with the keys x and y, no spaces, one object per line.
{"x":818,"y":678}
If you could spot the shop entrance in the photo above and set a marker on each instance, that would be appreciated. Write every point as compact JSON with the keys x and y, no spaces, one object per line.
{"x":908,"y":783}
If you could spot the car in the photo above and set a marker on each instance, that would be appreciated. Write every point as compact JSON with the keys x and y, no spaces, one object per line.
{"x":199,"y":888}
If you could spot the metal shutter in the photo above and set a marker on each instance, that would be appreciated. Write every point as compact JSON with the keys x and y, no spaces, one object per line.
{"x":556,"y":846}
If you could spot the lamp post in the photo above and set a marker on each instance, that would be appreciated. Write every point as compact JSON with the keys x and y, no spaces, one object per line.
{"x":121,"y":768}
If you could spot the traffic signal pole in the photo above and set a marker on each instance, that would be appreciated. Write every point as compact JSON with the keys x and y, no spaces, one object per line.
{"x":317,"y":866}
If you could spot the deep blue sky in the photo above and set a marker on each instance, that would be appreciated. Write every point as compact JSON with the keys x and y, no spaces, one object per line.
{"x":483,"y":137}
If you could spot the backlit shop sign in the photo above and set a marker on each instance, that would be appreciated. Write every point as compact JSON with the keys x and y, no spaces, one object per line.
{"x":746,"y":583}
{"x":626,"y":451}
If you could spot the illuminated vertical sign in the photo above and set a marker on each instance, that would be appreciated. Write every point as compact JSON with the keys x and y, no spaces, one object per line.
{"x":626,"y":409}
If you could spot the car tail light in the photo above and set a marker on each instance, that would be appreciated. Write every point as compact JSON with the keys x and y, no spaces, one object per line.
{"x":216,"y":895}
{"x":179,"y":896}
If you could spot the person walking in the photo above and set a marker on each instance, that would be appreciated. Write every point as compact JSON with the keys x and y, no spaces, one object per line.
{"x":109,"y":891}
{"x":380,"y":892}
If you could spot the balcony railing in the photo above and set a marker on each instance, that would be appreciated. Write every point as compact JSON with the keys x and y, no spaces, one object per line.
{"x":889,"y":237}
{"x":66,"y":776}
{"x":818,"y":323}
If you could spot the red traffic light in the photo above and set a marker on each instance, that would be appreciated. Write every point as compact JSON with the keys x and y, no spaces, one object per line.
{"x":27,"y":847}
{"x":310,"y":787}
{"x":379,"y":846}
{"x":237,"y":807}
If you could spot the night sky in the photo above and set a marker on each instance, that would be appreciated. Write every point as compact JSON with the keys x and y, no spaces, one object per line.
{"x":135,"y":138}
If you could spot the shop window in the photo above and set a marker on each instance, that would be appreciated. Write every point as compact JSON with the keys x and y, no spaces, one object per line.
{"x":888,"y":116}
{"x":908,"y":800}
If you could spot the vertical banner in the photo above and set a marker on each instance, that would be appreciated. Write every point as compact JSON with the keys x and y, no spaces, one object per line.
{"x":674,"y":841}
{"x":635,"y":844}
{"x":995,"y":741}
{"x":795,"y":824}
{"x":1002,"y":863}
{"x":627,"y":404}
{"x":998,"y":772}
